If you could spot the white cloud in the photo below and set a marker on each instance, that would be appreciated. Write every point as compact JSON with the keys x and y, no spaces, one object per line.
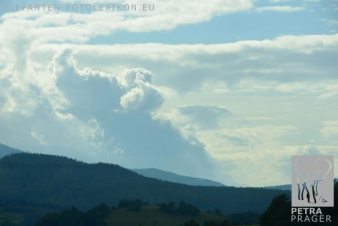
{"x":35,"y":134}
{"x":284,"y":9}
{"x":142,"y":95}
{"x":330,"y":22}
{"x":284,"y":64}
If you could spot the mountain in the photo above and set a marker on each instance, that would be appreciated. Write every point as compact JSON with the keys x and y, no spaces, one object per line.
{"x":5,"y":150}
{"x":172,"y":177}
{"x":65,"y":182}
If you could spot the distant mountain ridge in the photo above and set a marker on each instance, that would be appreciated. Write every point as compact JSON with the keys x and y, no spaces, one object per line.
{"x":175,"y":178}
{"x":6,"y":150}
{"x":65,"y":182}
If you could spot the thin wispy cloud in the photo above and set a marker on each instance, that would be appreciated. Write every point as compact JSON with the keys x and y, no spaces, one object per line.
{"x":283,"y":9}
{"x":330,"y":22}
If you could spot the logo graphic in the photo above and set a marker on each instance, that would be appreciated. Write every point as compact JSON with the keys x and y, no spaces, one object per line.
{"x":312,"y":180}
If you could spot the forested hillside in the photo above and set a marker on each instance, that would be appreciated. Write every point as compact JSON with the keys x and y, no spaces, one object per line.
{"x":66,"y":182}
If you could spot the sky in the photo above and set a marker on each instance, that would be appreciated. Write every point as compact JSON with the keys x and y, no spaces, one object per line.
{"x":226,"y":90}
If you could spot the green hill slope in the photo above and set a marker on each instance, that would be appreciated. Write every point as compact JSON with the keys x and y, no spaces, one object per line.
{"x":66,"y":182}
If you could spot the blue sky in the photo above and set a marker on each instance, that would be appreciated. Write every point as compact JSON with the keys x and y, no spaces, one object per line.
{"x":247,"y":25}
{"x":227,"y":91}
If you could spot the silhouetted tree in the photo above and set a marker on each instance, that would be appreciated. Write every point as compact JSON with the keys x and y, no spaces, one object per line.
{"x":278,"y":212}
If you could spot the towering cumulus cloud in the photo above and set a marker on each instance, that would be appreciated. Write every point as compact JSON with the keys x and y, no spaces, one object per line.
{"x":103,"y":117}
{"x":132,"y":90}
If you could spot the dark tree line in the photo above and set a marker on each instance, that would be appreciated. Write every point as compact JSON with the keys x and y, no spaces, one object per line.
{"x":182,"y":208}
{"x":75,"y":217}
{"x":131,"y":205}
